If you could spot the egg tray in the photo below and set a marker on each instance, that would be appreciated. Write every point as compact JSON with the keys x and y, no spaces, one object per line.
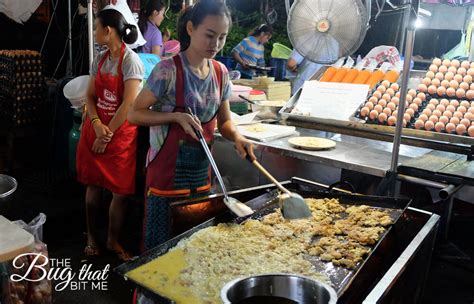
{"x":447,"y":97}
{"x":410,"y":123}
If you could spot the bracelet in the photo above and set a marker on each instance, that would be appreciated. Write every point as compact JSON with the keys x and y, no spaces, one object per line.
{"x":93,"y":120}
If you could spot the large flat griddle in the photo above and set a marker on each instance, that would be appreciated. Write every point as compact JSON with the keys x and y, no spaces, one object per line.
{"x":341,"y":278}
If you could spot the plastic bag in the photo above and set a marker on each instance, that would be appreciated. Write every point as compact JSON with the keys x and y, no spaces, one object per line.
{"x":384,"y":53}
{"x":33,"y":291}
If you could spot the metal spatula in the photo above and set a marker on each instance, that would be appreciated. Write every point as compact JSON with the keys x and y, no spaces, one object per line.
{"x":237,"y":207}
{"x":292,"y":204}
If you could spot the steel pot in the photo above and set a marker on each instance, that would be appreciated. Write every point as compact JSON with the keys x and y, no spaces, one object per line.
{"x":266,"y":111}
{"x":277,"y":288}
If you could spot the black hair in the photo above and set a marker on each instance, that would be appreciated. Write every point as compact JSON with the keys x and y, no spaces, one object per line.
{"x":262,"y":28}
{"x":147,"y":11}
{"x":196,"y":14}
{"x":113,"y":18}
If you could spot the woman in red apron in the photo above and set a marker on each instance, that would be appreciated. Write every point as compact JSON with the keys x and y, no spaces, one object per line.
{"x":177,"y":165}
{"x":106,"y":153}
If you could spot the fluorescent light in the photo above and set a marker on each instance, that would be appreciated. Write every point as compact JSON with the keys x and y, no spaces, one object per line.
{"x":418,"y":23}
{"x":424,"y":12}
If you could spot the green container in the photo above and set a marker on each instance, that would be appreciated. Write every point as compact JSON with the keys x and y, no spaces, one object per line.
{"x":73,"y":139}
{"x":239,"y":107}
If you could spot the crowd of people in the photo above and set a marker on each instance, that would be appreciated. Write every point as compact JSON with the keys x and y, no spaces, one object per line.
{"x":190,"y":82}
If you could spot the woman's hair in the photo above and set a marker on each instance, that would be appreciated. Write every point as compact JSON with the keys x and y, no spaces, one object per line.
{"x":262,"y":28}
{"x":113,"y":18}
{"x":196,"y":14}
{"x":147,"y":11}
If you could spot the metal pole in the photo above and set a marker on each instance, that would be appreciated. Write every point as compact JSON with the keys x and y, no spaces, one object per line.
{"x":69,"y":38}
{"x":90,"y":32}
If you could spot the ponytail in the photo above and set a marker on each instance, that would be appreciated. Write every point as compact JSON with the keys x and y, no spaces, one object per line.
{"x":146,"y":11}
{"x":128,"y":33}
{"x":196,"y":14}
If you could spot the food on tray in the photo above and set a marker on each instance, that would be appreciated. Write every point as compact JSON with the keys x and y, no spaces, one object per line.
{"x":311,"y":143}
{"x":271,"y":103}
{"x":197,"y":268}
{"x":256,"y":128}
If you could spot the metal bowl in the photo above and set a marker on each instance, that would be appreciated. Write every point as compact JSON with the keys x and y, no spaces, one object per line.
{"x":266,"y":111}
{"x":277,"y":288}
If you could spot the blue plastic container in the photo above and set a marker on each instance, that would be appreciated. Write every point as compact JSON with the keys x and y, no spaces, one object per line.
{"x":229,"y":62}
{"x":279,"y":68}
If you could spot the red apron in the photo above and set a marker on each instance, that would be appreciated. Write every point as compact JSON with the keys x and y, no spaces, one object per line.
{"x":180,"y":170}
{"x":113,"y":170}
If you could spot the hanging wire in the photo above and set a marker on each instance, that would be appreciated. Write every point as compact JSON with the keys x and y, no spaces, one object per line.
{"x":49,"y":26}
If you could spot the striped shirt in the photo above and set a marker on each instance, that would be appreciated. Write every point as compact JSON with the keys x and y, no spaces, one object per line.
{"x":251,"y":52}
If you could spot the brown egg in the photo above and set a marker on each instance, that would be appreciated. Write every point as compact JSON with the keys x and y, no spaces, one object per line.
{"x":471,"y":109}
{"x":417,"y":101}
{"x":404,"y":124}
{"x":377,"y":94}
{"x":432,"y":89}
{"x":382,"y":117}
{"x":382,"y":102}
{"x":364,"y":111}
{"x":441,"y":91}
{"x":426,"y":81}
{"x":429,"y":125}
{"x":441,"y":69}
{"x":450,"y":128}
{"x":458,"y":78}
{"x":454,"y":84}
{"x":441,"y":108}
{"x":462,"y":71}
{"x":369,"y":105}
{"x":472,"y":65}
{"x":465,"y":103}
{"x":470,"y":131}
{"x":465,"y":122}
{"x":439,"y":76}
{"x":391,"y":120}
{"x":431,"y":107}
{"x":464,"y":86}
{"x":444,"y":119}
{"x":451,"y":108}
{"x":444,"y":102}
{"x":373,"y":99}
{"x":454,"y":103}
{"x":433,"y":118}
{"x":386,"y":83}
{"x":439,"y":126}
{"x":427,"y":112}
{"x":461,"y":129}
{"x":395,"y":100}
{"x":445,"y":83}
{"x":467,"y":79}
{"x":448,"y":114}
{"x":437,"y":61}
{"x":410,"y":112}
{"x":465,"y":64}
{"x":373,"y":114}
{"x":391,"y":105}
{"x":470,"y":94}
{"x":455,"y":63}
{"x":448,"y":76}
{"x":423,"y":117}
{"x":419,"y":124}
{"x":447,"y":62}
{"x":452,"y":70}
{"x":381,"y":89}
{"x":436,"y":82}
{"x":470,"y":71}
{"x":378,"y":108}
{"x":469,"y":115}
{"x":421,"y":96}
{"x":390,"y":92}
{"x":409,"y":98}
{"x":422,"y":87}
{"x":458,"y":115}
{"x":413,"y":106}
{"x":396,"y":87}
{"x":431,"y":75}
{"x":397,"y":94}
{"x":412,"y":93}
{"x":395,"y":113}
{"x":434,"y":101}
{"x":461,"y":109}
{"x":454,"y":121}
{"x":451,"y":92}
{"x":387,"y":111}
{"x":460,"y":93}
{"x":433,"y":68}
{"x":387,"y":97}
{"x":437,"y":113}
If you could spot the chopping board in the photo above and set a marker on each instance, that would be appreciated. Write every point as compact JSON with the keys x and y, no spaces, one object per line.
{"x":311,"y":143}
{"x":266,"y":132}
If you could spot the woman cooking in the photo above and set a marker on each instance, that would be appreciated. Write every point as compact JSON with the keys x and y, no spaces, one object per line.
{"x":250,"y":51}
{"x":106,"y":150}
{"x":177,"y":165}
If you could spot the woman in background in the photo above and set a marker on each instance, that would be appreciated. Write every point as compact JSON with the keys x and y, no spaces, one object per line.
{"x":150,"y":19}
{"x":106,"y":152}
{"x":250,"y":51}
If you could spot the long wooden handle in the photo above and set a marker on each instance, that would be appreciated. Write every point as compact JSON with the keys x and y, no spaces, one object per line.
{"x":270,"y":177}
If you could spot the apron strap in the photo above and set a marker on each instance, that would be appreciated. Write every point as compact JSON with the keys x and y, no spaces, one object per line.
{"x":179,"y":82}
{"x":218,"y":71}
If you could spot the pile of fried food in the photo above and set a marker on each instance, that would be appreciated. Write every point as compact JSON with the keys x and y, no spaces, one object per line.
{"x":219,"y":254}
